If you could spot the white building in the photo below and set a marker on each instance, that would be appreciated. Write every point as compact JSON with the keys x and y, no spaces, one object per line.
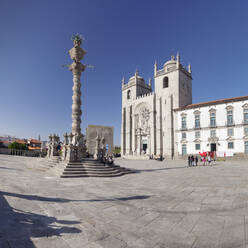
{"x":165,"y":122}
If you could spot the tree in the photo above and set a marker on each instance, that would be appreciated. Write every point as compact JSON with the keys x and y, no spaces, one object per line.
{"x":17,"y":146}
{"x":117,"y":150}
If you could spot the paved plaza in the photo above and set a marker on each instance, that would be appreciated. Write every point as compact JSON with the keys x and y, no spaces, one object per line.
{"x":165,"y":204}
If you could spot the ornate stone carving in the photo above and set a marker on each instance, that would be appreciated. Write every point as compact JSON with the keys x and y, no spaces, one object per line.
{"x":53,"y":145}
{"x":74,"y":148}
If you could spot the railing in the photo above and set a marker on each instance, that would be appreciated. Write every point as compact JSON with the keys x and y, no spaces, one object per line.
{"x":183,"y":128}
{"x":198,"y":127}
{"x":245,"y":122}
{"x":229,"y":124}
{"x":212,"y":125}
{"x":16,"y":152}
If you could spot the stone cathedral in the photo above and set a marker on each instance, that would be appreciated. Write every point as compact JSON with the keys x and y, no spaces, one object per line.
{"x":148,"y":118}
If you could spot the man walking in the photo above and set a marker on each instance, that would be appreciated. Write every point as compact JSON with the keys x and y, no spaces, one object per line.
{"x":196,"y":160}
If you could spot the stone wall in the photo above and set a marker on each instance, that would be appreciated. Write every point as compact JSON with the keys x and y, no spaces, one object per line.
{"x":93,"y":131}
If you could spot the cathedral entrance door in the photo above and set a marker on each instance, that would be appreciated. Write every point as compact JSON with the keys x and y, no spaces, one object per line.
{"x":144,"y":147}
{"x":213,"y":147}
{"x":144,"y":144}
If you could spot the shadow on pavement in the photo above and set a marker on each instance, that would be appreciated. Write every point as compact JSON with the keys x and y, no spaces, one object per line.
{"x":17,"y":226}
{"x":63,"y":200}
{"x":160,"y":169}
{"x":128,"y":198}
{"x":5,"y":168}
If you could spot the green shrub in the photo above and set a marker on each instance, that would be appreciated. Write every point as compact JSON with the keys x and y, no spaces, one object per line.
{"x":17,"y":146}
{"x":117,"y":150}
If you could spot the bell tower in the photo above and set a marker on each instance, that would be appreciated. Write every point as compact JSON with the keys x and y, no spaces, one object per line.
{"x":173,"y":89}
{"x":135,"y":87}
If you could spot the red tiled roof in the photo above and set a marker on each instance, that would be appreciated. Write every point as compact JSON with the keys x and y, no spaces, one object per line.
{"x":21,"y":141}
{"x":202,"y":104}
{"x":34,"y":148}
{"x":35,"y":141}
{"x":5,"y":141}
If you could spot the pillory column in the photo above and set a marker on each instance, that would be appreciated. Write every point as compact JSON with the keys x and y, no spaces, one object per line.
{"x":77,"y":54}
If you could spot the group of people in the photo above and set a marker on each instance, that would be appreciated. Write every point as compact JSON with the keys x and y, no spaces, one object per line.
{"x":193,"y":161}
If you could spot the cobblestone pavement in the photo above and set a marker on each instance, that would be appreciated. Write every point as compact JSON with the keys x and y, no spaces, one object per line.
{"x":165,"y":204}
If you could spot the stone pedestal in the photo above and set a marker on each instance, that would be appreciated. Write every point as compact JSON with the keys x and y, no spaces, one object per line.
{"x":53,"y":147}
{"x":74,"y":148}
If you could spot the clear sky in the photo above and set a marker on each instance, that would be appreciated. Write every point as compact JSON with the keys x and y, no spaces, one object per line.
{"x":120,"y":36}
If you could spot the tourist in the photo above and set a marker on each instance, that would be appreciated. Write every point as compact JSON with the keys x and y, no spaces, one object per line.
{"x":209,"y":160}
{"x":204,"y":160}
{"x":196,"y":160}
{"x":192,"y":160}
{"x":160,"y":157}
{"x":189,"y":161}
{"x":110,"y":160}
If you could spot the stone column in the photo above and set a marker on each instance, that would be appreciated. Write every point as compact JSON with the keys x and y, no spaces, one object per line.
{"x":148,"y":144}
{"x":128,"y":131}
{"x":77,"y":54}
{"x":77,"y":143}
{"x":139,"y":142}
{"x":133,"y":134}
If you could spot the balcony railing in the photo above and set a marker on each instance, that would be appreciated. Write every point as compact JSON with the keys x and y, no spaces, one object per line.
{"x":197,"y":127}
{"x":212,"y":125}
{"x":229,"y":124}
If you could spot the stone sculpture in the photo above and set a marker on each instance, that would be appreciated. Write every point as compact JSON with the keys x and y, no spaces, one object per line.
{"x":74,"y":148}
{"x":53,"y":149}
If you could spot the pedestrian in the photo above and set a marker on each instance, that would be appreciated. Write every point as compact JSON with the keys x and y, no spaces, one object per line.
{"x":189,"y":161}
{"x":192,"y":161}
{"x":209,"y":160}
{"x":196,"y":160}
{"x":204,"y":160}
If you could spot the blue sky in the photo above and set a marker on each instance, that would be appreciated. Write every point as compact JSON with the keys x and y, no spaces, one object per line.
{"x":120,"y":36}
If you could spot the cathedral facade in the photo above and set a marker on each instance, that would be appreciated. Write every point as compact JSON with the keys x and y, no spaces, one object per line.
{"x":165,"y":122}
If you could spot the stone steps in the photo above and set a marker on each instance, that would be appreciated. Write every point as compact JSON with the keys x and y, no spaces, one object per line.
{"x":89,"y":169}
{"x":91,"y":175}
{"x":93,"y":168}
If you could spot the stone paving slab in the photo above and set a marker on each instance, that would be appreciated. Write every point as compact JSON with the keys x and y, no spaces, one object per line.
{"x":164,"y":205}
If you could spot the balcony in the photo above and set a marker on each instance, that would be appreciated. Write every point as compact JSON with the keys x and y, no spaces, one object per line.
{"x":245,"y":122}
{"x":230,"y":124}
{"x":212,"y":125}
{"x":183,"y":128}
{"x":197,"y":127}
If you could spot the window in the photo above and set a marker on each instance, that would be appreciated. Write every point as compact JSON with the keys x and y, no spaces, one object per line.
{"x":197,"y":134}
{"x":165,"y":82}
{"x":197,"y":121}
{"x":230,"y":132}
{"x":197,"y":146}
{"x":246,"y":147}
{"x":128,"y":94}
{"x":246,"y":131}
{"x":230,"y":145}
{"x":229,"y":117}
{"x":184,"y":149}
{"x":212,"y":133}
{"x":183,"y":135}
{"x":212,"y":120}
{"x":246,"y":116}
{"x":183,"y":122}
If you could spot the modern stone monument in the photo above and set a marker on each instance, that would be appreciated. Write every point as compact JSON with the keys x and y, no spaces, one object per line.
{"x":74,"y":149}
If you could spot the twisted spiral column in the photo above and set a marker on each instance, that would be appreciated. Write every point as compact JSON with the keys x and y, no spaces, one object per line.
{"x":76,"y":102}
